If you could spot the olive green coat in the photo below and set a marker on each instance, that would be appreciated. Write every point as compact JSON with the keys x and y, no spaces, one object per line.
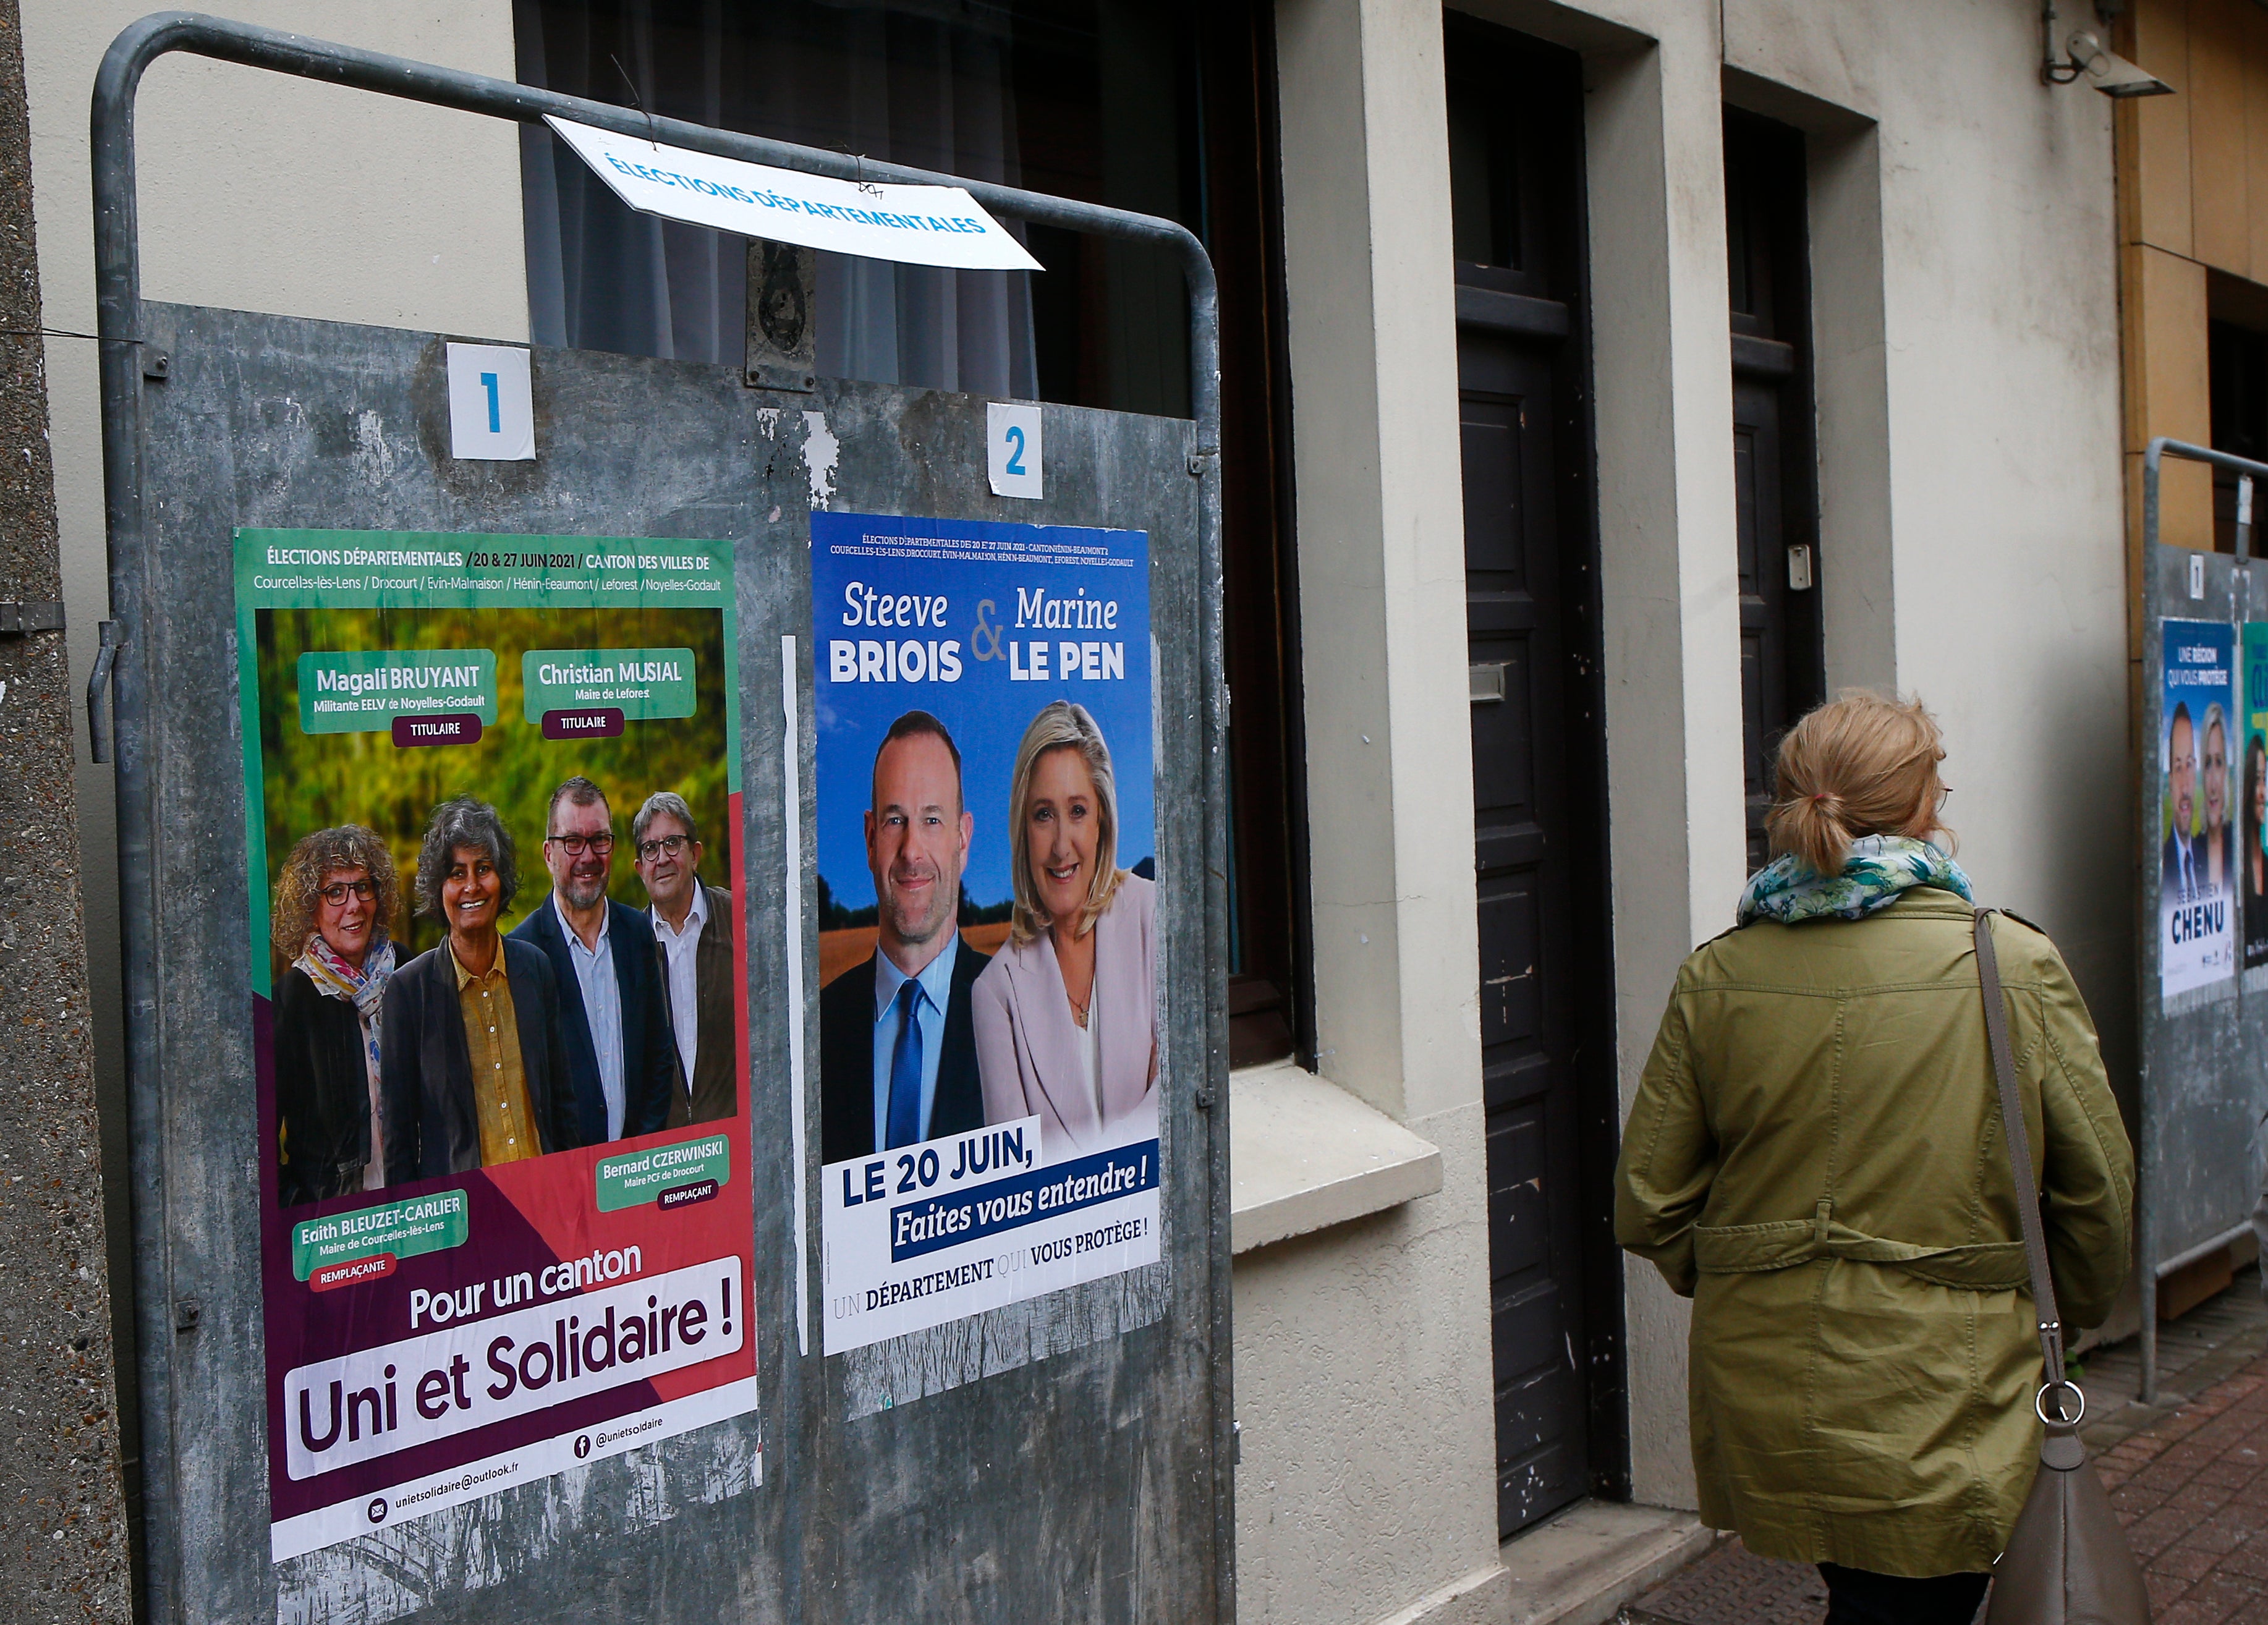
{"x":1814,"y":1158}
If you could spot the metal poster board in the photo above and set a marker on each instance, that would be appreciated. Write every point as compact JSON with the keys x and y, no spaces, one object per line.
{"x":2203,"y":972}
{"x":619,"y":1126}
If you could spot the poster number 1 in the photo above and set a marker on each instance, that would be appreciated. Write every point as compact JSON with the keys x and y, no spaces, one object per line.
{"x":1013,"y":458}
{"x":491,"y":403}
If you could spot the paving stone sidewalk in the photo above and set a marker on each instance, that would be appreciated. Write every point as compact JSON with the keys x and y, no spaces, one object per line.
{"x":2188,"y":1477}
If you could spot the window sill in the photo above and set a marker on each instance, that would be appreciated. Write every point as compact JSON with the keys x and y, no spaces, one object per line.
{"x":1305,"y":1155}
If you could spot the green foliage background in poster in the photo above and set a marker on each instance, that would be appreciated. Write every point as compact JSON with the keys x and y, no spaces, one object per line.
{"x":315,"y":781}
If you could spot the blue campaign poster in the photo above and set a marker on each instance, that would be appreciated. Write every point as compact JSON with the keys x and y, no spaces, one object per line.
{"x":2197,"y":862}
{"x":987,"y":859}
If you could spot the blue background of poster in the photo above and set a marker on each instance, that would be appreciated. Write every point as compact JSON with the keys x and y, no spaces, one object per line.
{"x":2200,"y":674}
{"x":972,"y":563}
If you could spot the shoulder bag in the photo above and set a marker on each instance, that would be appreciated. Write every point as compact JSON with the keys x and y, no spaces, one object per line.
{"x":2067,"y":1562}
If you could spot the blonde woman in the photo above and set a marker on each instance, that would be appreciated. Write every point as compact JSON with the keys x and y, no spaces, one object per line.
{"x":1064,"y":1014}
{"x":1816,"y":1160}
{"x":335,"y":903}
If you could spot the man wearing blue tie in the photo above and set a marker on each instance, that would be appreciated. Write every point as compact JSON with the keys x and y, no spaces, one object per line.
{"x":897,"y":1047}
{"x":2178,"y":877}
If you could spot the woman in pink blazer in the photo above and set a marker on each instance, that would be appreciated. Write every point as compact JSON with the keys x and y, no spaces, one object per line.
{"x":1066,"y":1012}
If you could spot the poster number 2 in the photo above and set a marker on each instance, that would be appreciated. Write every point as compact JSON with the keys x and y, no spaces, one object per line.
{"x":1013,"y":452}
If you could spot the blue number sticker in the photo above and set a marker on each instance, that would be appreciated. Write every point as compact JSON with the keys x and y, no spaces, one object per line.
{"x":1015,"y":463}
{"x":496,"y":416}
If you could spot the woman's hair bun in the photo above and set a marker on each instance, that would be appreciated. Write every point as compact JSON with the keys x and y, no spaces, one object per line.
{"x":1858,"y":765}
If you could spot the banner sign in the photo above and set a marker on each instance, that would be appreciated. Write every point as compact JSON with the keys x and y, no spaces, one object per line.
{"x":987,"y":834}
{"x":504,"y":1190}
{"x":914,"y":224}
{"x":2197,"y":883}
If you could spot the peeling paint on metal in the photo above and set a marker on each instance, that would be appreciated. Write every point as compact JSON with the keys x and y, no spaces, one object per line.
{"x":374,"y":458}
{"x":821,"y":449}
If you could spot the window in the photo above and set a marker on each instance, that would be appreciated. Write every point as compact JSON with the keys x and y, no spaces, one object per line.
{"x":1166,"y":108}
{"x":2236,"y":362}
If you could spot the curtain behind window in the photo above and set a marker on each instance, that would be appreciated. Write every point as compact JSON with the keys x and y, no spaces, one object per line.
{"x":934,"y":90}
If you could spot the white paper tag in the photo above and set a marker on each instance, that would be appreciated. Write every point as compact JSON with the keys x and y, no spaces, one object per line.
{"x":916,"y":224}
{"x":1012,"y":453}
{"x":491,"y":406}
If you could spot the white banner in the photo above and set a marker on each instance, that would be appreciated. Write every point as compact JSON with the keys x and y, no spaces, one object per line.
{"x":969,"y":1221}
{"x":918,"y":225}
{"x":458,"y":1377}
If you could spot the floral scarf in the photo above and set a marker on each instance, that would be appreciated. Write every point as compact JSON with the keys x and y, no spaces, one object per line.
{"x":1879,"y":868}
{"x":366,"y":990}
{"x":363,"y":989}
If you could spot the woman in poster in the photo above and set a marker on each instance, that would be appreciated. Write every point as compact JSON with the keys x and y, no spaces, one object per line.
{"x":335,"y":904}
{"x":475,"y":1063}
{"x":1065,"y":1013}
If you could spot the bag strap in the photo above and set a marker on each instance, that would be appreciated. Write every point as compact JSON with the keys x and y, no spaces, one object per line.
{"x":2028,"y":1186}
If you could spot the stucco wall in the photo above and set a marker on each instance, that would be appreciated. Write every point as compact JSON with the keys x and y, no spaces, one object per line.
{"x":1997,"y":265}
{"x":1362,"y":1362}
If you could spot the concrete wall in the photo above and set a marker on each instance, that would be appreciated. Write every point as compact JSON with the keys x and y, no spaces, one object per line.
{"x":1362,"y":1354}
{"x":63,"y":1517}
{"x":1998,"y":382}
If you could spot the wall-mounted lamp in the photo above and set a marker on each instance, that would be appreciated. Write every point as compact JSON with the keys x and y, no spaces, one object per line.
{"x":2084,"y":57}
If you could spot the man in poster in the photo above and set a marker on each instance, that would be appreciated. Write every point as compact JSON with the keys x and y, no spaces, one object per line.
{"x":471,"y":1060}
{"x":2178,"y":862}
{"x":602,"y":952}
{"x":897,"y":1049}
{"x":693,"y":923}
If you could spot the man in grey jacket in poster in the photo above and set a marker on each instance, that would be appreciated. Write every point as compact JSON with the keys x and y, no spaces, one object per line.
{"x":693,"y":927}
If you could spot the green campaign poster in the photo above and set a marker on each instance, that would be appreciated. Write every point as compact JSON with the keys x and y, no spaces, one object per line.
{"x":493,"y":820}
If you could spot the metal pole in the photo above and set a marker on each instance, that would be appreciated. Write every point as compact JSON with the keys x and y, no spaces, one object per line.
{"x":118,"y":293}
{"x":2146,"y":1239}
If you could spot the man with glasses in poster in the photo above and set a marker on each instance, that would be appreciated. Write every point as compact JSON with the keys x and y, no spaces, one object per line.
{"x":618,"y":1050}
{"x":693,"y":922}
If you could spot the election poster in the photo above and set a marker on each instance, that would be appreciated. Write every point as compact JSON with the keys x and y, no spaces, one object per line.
{"x":2197,"y":852}
{"x":493,"y":816}
{"x":2252,"y":823}
{"x":987,"y":908}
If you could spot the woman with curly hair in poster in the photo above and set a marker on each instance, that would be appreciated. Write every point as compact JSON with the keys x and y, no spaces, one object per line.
{"x":1065,"y":1014}
{"x":336,"y":905}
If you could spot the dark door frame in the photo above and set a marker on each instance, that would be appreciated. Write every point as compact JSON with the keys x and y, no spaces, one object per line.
{"x":1548,"y":304}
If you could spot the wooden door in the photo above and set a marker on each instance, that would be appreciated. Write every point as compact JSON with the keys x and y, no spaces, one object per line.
{"x":1539,"y":795}
{"x":1783,"y":654}
{"x":1516,"y":628}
